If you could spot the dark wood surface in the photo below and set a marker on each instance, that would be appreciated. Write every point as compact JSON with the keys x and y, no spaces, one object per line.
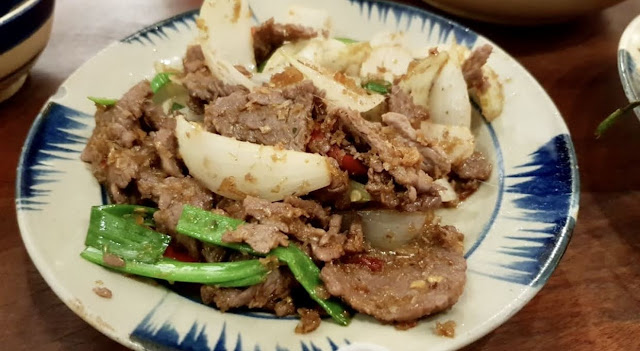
{"x":592,"y":301}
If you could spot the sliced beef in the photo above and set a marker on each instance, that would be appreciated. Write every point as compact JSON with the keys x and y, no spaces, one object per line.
{"x":309,"y":321}
{"x":265,"y":116}
{"x":382,"y":188}
{"x":434,"y":161}
{"x":166,"y":144}
{"x":472,"y":68}
{"x":269,"y":36}
{"x":312,"y":208}
{"x":273,"y":294}
{"x":203,"y":87}
{"x":326,"y":245}
{"x":401,"y":161}
{"x":213,"y":253}
{"x":422,"y":278}
{"x":171,"y":194}
{"x":475,"y":166}
{"x":119,"y":149}
{"x":261,"y":237}
{"x":355,"y":236}
{"x":402,"y":103}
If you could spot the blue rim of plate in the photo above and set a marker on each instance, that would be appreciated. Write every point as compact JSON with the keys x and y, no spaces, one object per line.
{"x":562,"y":230}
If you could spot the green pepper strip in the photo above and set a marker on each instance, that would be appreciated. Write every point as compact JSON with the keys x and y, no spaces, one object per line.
{"x":229,"y":274}
{"x":609,"y":121}
{"x":102,"y":101}
{"x":210,"y":227}
{"x":380,"y":87}
{"x":114,"y":229}
{"x":160,"y":80}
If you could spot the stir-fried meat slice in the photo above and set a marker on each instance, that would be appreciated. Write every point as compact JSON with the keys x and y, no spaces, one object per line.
{"x":265,"y":116}
{"x":326,"y":245}
{"x":213,"y":253}
{"x":312,"y":208}
{"x":171,"y":194}
{"x":269,"y":36}
{"x":382,"y":189}
{"x":401,"y":161}
{"x":203,"y":87}
{"x":401,"y":102}
{"x":116,"y":127}
{"x":355,"y":237}
{"x":434,"y":161}
{"x":166,"y":144}
{"x":472,"y":68}
{"x":474,"y":167}
{"x":424,"y":277}
{"x":309,"y":321}
{"x":272,"y":294}
{"x":261,"y":237}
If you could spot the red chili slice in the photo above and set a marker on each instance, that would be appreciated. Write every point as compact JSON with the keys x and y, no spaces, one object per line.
{"x":177,"y":255}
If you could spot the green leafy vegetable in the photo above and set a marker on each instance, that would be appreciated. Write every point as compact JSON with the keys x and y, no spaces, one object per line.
{"x":103,"y":101}
{"x":378,"y":86}
{"x":160,"y":80}
{"x":615,"y":116}
{"x":120,"y":230}
{"x":228,"y":274}
{"x":210,"y":227}
{"x":346,"y":40}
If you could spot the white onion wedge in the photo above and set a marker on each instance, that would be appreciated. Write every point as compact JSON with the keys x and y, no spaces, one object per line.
{"x":420,"y":79}
{"x":388,"y":230}
{"x":219,"y":18}
{"x":233,"y":168}
{"x":224,"y":70}
{"x":336,"y":92}
{"x":449,"y":100}
{"x":447,"y":193}
{"x":457,"y":142}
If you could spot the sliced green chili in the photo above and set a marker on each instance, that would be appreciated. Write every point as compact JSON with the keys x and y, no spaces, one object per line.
{"x":103,"y":101}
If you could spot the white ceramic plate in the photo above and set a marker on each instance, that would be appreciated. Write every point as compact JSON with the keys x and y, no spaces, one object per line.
{"x":517,"y":225}
{"x":629,"y":61}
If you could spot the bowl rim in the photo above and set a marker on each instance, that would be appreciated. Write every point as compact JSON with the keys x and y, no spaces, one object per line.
{"x":18,"y":10}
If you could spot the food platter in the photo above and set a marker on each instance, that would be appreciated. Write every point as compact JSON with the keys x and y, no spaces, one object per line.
{"x":516,"y":226}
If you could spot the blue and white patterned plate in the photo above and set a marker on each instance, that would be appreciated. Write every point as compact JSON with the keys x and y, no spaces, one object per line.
{"x":629,"y":61}
{"x":517,"y":225}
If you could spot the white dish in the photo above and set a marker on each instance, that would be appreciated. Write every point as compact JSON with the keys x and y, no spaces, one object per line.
{"x":517,"y":225}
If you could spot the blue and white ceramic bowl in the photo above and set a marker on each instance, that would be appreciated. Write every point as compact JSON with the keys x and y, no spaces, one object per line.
{"x":629,"y":61}
{"x":517,"y":225}
{"x":24,"y":32}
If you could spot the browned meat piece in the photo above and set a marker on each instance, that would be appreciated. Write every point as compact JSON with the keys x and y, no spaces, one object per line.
{"x":267,"y":295}
{"x":475,"y":167}
{"x":382,"y":189}
{"x":171,"y":194}
{"x":264,"y":116}
{"x":166,"y":144}
{"x":355,"y":236}
{"x":337,"y":192}
{"x":309,"y":321}
{"x":401,"y":102}
{"x":261,"y":237}
{"x":331,"y":244}
{"x":231,"y":208}
{"x":402,"y":162}
{"x":116,"y":127}
{"x":434,"y":161}
{"x":202,"y":86}
{"x":270,"y":35}
{"x":213,"y":253}
{"x":424,"y":277}
{"x":312,"y":208}
{"x":472,"y":68}
{"x":325,"y":245}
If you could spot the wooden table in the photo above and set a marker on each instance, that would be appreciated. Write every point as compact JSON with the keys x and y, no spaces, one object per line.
{"x":592,"y":301}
